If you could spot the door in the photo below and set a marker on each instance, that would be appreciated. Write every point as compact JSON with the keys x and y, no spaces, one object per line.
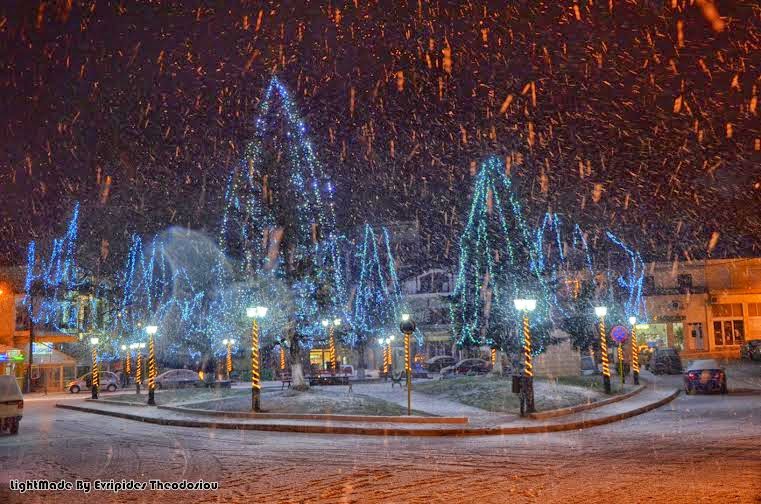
{"x":696,"y":333}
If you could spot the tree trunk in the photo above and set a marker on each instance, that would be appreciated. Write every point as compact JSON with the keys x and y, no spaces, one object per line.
{"x":361,"y":363}
{"x":297,"y":372}
{"x":497,"y":368}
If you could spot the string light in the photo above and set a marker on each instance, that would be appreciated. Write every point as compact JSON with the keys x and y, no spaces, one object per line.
{"x":377,"y":299}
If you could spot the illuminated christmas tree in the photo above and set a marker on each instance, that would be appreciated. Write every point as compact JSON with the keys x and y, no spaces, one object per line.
{"x":377,"y":299}
{"x":279,"y":220}
{"x":498,"y":263}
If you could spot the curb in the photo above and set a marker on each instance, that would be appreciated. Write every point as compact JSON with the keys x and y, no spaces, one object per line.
{"x":315,"y":416}
{"x":541,"y":415}
{"x":383,"y":431}
{"x":117,"y":403}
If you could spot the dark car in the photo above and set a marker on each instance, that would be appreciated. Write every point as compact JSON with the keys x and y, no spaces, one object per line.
{"x":178,"y":378}
{"x":436,"y":364}
{"x":467,"y":367}
{"x":751,"y":350}
{"x":705,"y":376}
{"x":665,"y":361}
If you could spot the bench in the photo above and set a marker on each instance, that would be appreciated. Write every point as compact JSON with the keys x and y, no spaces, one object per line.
{"x":396,"y":378}
{"x":285,"y":378}
{"x":329,"y":378}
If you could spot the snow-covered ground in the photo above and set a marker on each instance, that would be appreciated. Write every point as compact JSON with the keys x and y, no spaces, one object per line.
{"x":695,"y":449}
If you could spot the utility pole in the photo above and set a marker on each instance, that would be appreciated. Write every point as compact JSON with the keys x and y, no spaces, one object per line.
{"x":28,"y":382}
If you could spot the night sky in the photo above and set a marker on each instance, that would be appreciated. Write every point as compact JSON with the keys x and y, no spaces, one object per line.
{"x":637,"y":116}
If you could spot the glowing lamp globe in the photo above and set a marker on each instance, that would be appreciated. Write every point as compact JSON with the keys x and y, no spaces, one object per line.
{"x":525,"y":304}
{"x":601,"y":311}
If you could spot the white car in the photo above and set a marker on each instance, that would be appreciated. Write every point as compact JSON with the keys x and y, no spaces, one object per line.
{"x":11,"y":404}
{"x":108,"y":381}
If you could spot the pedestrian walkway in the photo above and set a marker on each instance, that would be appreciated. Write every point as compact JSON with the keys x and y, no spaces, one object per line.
{"x":425,"y":403}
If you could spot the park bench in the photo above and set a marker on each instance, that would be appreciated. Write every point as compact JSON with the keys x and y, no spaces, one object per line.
{"x":397,"y":377}
{"x":328,"y":377}
{"x":285,"y":378}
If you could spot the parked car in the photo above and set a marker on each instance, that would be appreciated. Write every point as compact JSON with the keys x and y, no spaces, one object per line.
{"x":665,"y":361}
{"x":108,"y":382}
{"x":467,"y":367}
{"x":418,"y":371}
{"x":705,"y":376}
{"x":436,"y":364}
{"x":751,"y":350}
{"x":178,"y":378}
{"x":11,"y":404}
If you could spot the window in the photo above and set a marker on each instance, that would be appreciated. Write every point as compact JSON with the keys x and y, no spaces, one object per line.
{"x":754,"y":320}
{"x":684,"y":282}
{"x":754,"y":309}
{"x":727,"y":310}
{"x":730,"y":329}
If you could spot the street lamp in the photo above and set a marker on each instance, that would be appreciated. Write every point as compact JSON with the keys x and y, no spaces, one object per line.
{"x":635,"y":350}
{"x":151,"y":330}
{"x":390,"y":353}
{"x":95,"y":373}
{"x":229,"y":361}
{"x":527,"y":389}
{"x":407,"y":327}
{"x":601,"y":311}
{"x":139,"y":367}
{"x":382,"y":343}
{"x":127,"y":361}
{"x":255,"y":313}
{"x":331,"y":325}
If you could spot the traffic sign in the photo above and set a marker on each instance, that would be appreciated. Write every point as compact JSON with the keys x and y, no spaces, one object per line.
{"x":619,"y":333}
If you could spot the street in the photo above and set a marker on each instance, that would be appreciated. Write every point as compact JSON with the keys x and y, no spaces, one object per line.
{"x":695,"y":449}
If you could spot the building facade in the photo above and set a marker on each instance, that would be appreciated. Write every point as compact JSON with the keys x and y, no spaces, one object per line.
{"x":426,"y":296}
{"x":703,"y":307}
{"x":51,"y":368}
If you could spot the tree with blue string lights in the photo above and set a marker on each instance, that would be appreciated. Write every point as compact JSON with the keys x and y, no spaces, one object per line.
{"x":496,"y":265}
{"x":280,"y":221}
{"x":377,"y":298}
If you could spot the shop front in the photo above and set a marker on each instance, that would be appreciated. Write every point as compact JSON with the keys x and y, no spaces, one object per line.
{"x":51,"y":369}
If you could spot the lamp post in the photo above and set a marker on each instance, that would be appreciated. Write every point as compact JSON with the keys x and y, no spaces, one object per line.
{"x":390,"y":353}
{"x":229,"y":361}
{"x":407,"y":327}
{"x":255,"y":313}
{"x":527,"y":389}
{"x":382,"y":343}
{"x":601,"y":311}
{"x":635,"y":350}
{"x":331,"y":325}
{"x":282,"y":358}
{"x":139,"y":367}
{"x":95,"y":373}
{"x":127,"y":362}
{"x":151,"y":330}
